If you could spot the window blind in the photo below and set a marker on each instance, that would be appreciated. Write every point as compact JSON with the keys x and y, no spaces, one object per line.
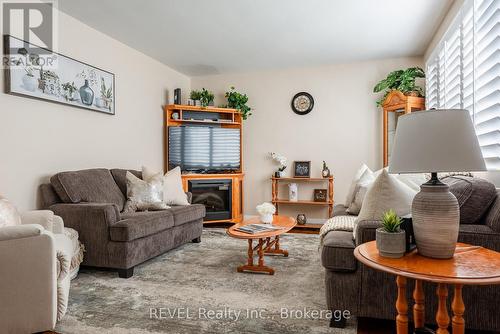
{"x":464,"y":72}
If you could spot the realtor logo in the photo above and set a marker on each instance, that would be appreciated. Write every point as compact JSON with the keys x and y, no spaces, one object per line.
{"x":32,"y":21}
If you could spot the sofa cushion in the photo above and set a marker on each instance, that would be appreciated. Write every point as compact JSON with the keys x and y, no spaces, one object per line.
{"x":120,"y":177}
{"x":492,"y":218}
{"x":90,"y":185}
{"x":187,"y":213}
{"x":474,"y":196}
{"x":337,"y":252}
{"x":141,"y":224}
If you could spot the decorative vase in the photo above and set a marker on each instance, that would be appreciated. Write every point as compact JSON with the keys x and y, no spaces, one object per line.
{"x":278,"y":174}
{"x":86,"y":94}
{"x":99,"y":102}
{"x":325,"y":172}
{"x":301,"y":219}
{"x":391,"y":244}
{"x":29,"y":83}
{"x":197,"y":103}
{"x":436,"y":218}
{"x":267,"y":218}
{"x":293,"y":192}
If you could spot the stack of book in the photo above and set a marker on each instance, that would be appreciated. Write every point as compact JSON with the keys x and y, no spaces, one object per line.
{"x":258,"y":228}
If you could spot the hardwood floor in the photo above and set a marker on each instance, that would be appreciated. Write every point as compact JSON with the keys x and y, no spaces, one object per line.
{"x":377,"y":326}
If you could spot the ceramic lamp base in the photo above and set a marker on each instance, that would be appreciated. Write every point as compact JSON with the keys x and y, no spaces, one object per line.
{"x":436,"y":218}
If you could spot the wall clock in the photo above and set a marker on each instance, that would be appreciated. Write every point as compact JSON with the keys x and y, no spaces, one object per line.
{"x":302,"y":103}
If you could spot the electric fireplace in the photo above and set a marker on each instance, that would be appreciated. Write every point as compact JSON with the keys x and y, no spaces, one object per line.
{"x":215,"y":195}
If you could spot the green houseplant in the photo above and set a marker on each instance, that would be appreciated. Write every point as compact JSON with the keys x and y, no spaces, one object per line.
{"x":69,"y":89}
{"x":195,"y":95}
{"x":390,"y":238}
{"x":206,"y":97}
{"x":238,"y":101}
{"x":402,"y":80}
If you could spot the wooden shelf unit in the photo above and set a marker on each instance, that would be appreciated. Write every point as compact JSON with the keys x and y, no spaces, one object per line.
{"x":399,"y":104}
{"x":232,"y":119}
{"x":277,"y":201}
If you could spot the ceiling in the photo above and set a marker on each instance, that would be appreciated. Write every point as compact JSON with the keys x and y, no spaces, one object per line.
{"x":200,"y":37}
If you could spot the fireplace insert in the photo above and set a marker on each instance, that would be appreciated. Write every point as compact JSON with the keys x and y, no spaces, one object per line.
{"x":215,"y":195}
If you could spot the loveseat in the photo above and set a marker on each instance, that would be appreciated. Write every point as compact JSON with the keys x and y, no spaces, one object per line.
{"x":92,"y":201}
{"x":366,"y":292}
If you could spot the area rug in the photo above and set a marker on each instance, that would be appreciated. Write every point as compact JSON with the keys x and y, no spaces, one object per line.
{"x":196,"y":289}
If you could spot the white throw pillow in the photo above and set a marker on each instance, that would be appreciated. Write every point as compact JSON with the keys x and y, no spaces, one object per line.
{"x":173,"y":193}
{"x":385,"y":193}
{"x":9,"y":216}
{"x":362,"y":175}
{"x":413,"y":181}
{"x":144,"y":195}
{"x":359,"y":196}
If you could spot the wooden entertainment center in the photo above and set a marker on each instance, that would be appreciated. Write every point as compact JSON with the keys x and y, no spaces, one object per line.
{"x":176,"y":115}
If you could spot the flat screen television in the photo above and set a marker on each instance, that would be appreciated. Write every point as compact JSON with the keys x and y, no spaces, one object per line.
{"x":204,"y":149}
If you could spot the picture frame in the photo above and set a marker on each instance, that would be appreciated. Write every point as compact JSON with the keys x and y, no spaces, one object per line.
{"x":302,"y":169}
{"x":63,"y":80}
{"x":320,"y":195}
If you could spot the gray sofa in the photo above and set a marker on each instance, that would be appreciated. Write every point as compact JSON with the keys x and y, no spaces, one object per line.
{"x":366,"y":292}
{"x":91,"y":201}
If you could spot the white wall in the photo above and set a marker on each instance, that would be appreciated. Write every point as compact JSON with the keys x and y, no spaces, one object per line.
{"x":344,"y":128}
{"x":38,"y":138}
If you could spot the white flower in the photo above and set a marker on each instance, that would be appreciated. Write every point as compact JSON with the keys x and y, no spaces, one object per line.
{"x":279,"y":159}
{"x":266,"y":208}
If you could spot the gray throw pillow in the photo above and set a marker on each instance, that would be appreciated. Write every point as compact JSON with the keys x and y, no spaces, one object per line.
{"x":474,"y":196}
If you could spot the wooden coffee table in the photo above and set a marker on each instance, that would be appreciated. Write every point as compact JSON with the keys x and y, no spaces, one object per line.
{"x":471,"y":265}
{"x":268,"y":242}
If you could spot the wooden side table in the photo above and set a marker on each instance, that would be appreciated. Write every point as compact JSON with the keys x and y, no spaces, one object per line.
{"x":471,"y":265}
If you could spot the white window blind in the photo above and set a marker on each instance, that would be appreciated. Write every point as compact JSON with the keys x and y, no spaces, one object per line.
{"x":464,"y":72}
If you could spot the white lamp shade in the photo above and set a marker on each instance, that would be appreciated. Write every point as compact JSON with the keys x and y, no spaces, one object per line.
{"x":436,"y":141}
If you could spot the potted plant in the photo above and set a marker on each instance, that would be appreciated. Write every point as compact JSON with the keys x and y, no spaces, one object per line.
{"x":391,"y":240}
{"x":29,"y":80}
{"x":195,"y":95}
{"x":266,"y":211}
{"x":402,"y":80}
{"x":106,"y":98}
{"x":69,"y":89}
{"x":282,"y":161}
{"x":206,"y":98}
{"x":238,"y":101}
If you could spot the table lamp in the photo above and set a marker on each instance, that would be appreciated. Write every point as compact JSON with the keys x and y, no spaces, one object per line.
{"x":436,"y":141}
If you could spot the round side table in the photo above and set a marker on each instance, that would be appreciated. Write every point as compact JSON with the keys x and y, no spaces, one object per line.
{"x":471,"y":265}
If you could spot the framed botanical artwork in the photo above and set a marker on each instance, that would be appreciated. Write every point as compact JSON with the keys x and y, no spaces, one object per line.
{"x":39,"y":73}
{"x":302,"y":169}
{"x":320,"y":195}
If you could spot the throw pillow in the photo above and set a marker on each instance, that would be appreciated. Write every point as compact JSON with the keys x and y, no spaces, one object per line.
{"x":362,"y":175}
{"x":386,"y":192}
{"x":9,"y":216}
{"x":144,"y":195}
{"x":414,"y":181}
{"x":173,"y":193}
{"x":360,"y":193}
{"x":474,"y":196}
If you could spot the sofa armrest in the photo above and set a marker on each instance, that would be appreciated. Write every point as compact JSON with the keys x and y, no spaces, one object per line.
{"x":365,"y":231}
{"x":40,"y":217}
{"x":28,"y":280}
{"x":479,"y":235}
{"x":20,"y":231}
{"x":92,"y":222}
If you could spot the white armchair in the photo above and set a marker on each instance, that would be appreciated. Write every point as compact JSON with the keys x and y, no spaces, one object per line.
{"x":35,"y":260}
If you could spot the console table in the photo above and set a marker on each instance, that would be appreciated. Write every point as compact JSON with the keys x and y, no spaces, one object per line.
{"x":471,"y":265}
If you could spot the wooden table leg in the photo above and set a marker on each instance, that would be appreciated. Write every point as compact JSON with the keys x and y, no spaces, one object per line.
{"x":260,"y":267}
{"x":458,"y":307}
{"x":401,"y":306}
{"x":273,"y":248}
{"x":442,"y":317}
{"x":419,"y":307}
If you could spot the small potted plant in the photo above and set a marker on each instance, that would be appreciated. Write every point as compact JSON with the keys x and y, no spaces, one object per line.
{"x":206,"y":98}
{"x":391,"y":241}
{"x":402,"y":80}
{"x":106,"y":98}
{"x":195,"y":95}
{"x":266,"y":211}
{"x":238,"y":101}
{"x":282,"y":161}
{"x":69,"y":89}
